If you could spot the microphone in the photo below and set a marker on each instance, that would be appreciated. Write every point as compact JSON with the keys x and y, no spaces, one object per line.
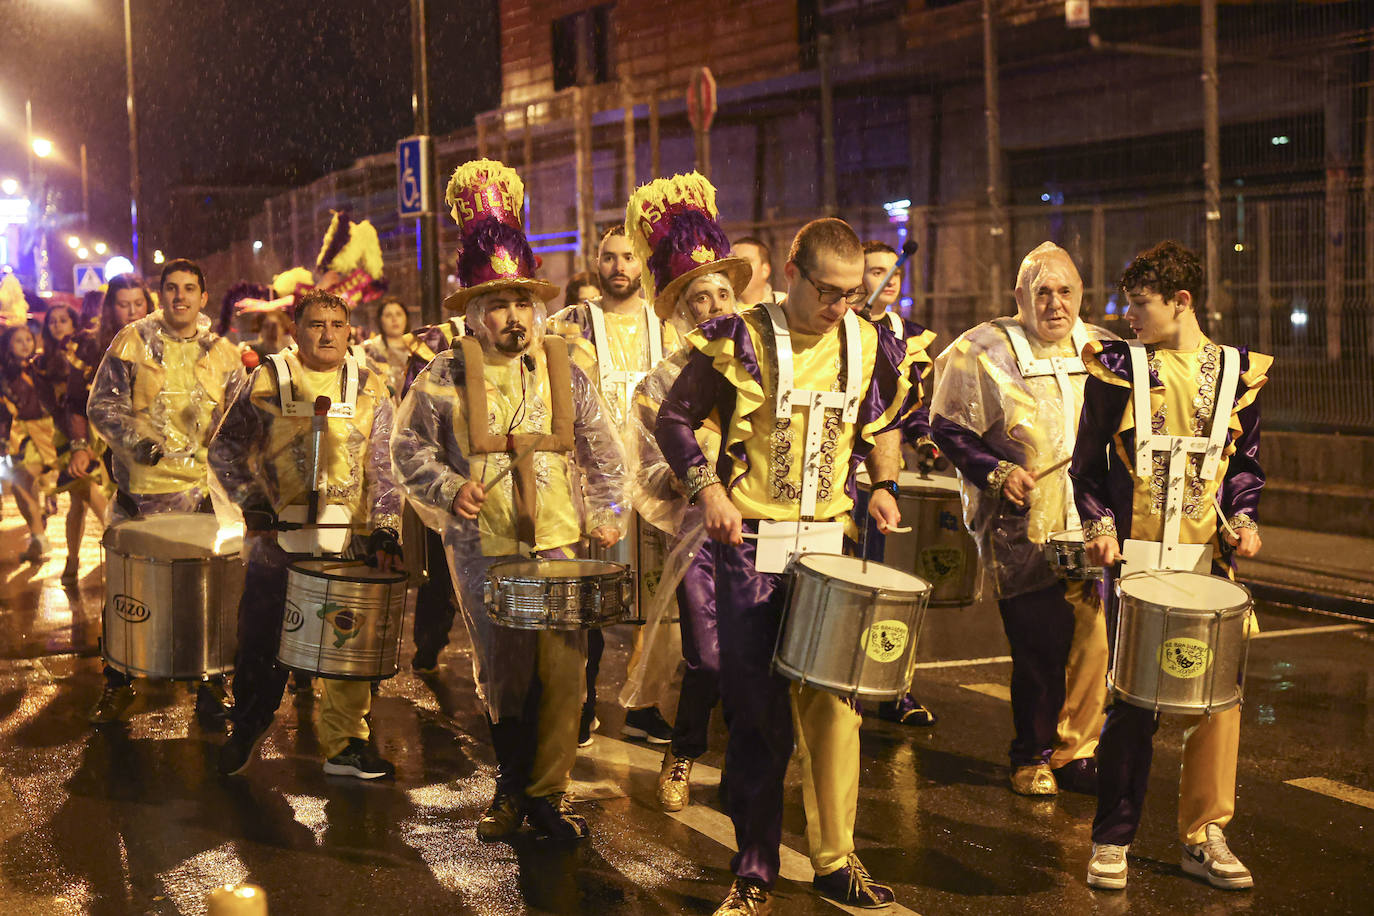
{"x":909,"y":248}
{"x":528,"y":361}
{"x":317,"y":422}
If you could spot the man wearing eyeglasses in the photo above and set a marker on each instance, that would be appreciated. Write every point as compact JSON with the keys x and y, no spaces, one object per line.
{"x":770,"y":374}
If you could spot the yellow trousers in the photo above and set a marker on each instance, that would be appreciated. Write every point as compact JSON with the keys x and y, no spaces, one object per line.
{"x":563,"y":684}
{"x":344,"y":703}
{"x":1207,"y":777}
{"x":827,"y":736}
{"x":1085,"y":676}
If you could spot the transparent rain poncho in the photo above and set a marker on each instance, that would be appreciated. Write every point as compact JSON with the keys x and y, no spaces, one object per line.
{"x":433,"y":457}
{"x":260,"y":458}
{"x":1021,"y":420}
{"x":155,"y":391}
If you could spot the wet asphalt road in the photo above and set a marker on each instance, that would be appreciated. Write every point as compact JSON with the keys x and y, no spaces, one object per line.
{"x":134,"y":819}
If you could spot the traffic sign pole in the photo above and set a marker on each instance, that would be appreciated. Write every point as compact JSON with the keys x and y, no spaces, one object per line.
{"x":427,"y":222}
{"x":701,"y":111}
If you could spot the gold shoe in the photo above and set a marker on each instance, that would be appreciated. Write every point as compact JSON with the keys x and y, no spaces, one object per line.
{"x":674,"y":782}
{"x":1034,"y":780}
{"x":746,"y":899}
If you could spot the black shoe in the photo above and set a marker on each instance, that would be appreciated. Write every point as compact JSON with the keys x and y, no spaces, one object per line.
{"x":907,"y":711}
{"x":212,"y":701}
{"x":647,"y":723}
{"x":1078,"y":776}
{"x":114,"y":701}
{"x":425,"y":661}
{"x":302,"y":685}
{"x":239,"y":750}
{"x":852,"y":885}
{"x":359,"y":759}
{"x":587,"y":725}
{"x":502,"y":818}
{"x":553,"y":817}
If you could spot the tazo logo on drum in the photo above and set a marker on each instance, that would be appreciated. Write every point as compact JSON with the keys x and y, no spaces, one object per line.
{"x":885,"y":640}
{"x":130,"y":609}
{"x":293,"y":619}
{"x":1184,"y":657}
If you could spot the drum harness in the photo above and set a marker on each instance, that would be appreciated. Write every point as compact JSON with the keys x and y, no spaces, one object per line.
{"x":624,"y":380}
{"x":1171,"y":554}
{"x":334,"y":517}
{"x":815,"y":403}
{"x":521,"y":446}
{"x":1061,"y":367}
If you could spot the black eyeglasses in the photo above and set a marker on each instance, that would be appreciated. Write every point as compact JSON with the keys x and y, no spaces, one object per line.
{"x":831,"y":296}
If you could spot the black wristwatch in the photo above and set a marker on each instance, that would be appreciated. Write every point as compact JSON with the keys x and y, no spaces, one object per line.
{"x":888,"y":485}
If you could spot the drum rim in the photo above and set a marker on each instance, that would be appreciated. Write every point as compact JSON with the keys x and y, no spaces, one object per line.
{"x":1247,"y":604}
{"x":390,"y":579}
{"x":617,"y":570}
{"x":799,"y":562}
{"x":163,"y":561}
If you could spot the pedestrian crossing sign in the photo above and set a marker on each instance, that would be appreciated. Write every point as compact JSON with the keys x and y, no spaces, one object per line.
{"x":87,"y":278}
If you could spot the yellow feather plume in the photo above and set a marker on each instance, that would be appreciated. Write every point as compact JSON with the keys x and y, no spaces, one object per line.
{"x":14,"y":308}
{"x":647,"y":205}
{"x":285,"y":283}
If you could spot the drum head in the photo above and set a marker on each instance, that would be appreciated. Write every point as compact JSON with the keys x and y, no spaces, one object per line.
{"x":912,"y":482}
{"x":867,"y":574}
{"x":1072,"y":536}
{"x":173,"y":536}
{"x":555,"y":569}
{"x":345,"y":570}
{"x":1186,"y":591}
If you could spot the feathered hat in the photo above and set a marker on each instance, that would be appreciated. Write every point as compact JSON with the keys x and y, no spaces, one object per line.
{"x":14,"y":308}
{"x":673,"y":232}
{"x":486,"y":198}
{"x":353,"y":251}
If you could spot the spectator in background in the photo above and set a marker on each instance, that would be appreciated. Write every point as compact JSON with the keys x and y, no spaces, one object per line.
{"x":760,"y":258}
{"x":27,"y":439}
{"x":274,"y":334}
{"x":387,"y":351}
{"x":583,"y":287}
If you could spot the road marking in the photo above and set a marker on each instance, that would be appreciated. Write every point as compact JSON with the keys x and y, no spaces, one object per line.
{"x":1311,"y":631}
{"x":708,"y":821}
{"x":996,"y":691}
{"x":1338,"y":790}
{"x":962,"y":662}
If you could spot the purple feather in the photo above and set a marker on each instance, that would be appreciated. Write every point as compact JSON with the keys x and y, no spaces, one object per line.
{"x":688,"y":230}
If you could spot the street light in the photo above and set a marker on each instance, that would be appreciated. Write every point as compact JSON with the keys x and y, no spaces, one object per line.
{"x":10,"y":186}
{"x":158,"y":256}
{"x":73,"y":242}
{"x":42,"y":147}
{"x":101,"y":248}
{"x":83,"y":252}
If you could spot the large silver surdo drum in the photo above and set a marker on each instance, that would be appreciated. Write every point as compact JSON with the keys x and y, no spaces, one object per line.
{"x":544,"y":594}
{"x":343,"y":619}
{"x":172,"y":588}
{"x":851,"y":626}
{"x":1181,"y":641}
{"x":938,"y":548}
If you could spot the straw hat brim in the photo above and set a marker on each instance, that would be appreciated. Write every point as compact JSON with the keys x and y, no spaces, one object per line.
{"x":541,"y":289}
{"x":736,"y":270}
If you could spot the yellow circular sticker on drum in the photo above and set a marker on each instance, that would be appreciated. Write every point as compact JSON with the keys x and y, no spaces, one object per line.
{"x":1184,"y":657}
{"x":885,"y":640}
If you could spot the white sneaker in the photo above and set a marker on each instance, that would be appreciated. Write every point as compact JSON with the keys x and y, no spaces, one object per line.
{"x":38,"y":549}
{"x":1214,"y":861}
{"x":1107,"y":868}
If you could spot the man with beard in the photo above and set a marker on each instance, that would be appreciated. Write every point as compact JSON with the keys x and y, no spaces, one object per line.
{"x":616,"y":340}
{"x":508,"y":402}
{"x":154,"y":400}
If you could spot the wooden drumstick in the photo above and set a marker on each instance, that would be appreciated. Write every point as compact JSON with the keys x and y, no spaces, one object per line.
{"x":518,"y":458}
{"x":1051,"y":469}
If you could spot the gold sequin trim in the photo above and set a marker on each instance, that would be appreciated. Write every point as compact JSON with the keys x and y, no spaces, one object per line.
{"x":699,"y":477}
{"x":1097,"y":528}
{"x":1240,"y":521}
{"x":997,"y":477}
{"x":1195,"y":503}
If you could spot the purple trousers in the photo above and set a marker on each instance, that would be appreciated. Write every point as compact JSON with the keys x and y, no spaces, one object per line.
{"x":696,"y":601}
{"x":757,"y":704}
{"x":1039,"y":627}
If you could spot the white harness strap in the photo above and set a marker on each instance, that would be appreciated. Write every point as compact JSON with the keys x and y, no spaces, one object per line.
{"x":1061,"y":367}
{"x":815,"y":402}
{"x":1179,"y":447}
{"x":626,"y":380}
{"x":460,"y":328}
{"x":286,"y":389}
{"x":894,"y":321}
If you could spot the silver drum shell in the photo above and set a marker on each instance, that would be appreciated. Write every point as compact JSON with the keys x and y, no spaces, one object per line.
{"x":579,"y":599}
{"x":822,"y":641}
{"x":341,"y":625}
{"x":938,"y":548}
{"x":175,"y":619}
{"x":1156,"y":645}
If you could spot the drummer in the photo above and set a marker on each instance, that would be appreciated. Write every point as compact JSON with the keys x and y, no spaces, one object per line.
{"x":531,"y":682}
{"x":154,"y":401}
{"x":262,"y":457}
{"x":879,"y":306}
{"x":767,"y":480}
{"x":1125,"y":492}
{"x":692,"y":279}
{"x":1005,"y":410}
{"x":616,"y":340}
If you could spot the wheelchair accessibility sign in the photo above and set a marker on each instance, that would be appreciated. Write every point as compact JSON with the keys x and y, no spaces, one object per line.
{"x":414,"y":185}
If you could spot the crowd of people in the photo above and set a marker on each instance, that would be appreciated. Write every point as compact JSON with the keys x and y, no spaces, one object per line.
{"x":677,"y":411}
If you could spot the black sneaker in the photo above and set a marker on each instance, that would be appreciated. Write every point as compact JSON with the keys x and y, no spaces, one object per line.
{"x":302,"y":685}
{"x":647,"y":723}
{"x":1078,"y":776}
{"x":502,"y":818}
{"x":553,"y":817}
{"x":425,"y":662}
{"x":587,"y":725}
{"x":852,"y":885}
{"x":113,"y":703}
{"x":359,"y":759}
{"x":212,"y":701}
{"x":239,"y":750}
{"x":907,"y":711}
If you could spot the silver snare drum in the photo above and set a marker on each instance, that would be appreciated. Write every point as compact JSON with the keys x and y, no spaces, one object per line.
{"x":938,"y":548}
{"x":342,"y":620}
{"x":559,"y":594}
{"x":172,"y":589}
{"x":851,"y":626}
{"x":1068,"y":557}
{"x":1181,"y":641}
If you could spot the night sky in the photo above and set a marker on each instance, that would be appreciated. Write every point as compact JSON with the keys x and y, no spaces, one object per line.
{"x":230,"y":92}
